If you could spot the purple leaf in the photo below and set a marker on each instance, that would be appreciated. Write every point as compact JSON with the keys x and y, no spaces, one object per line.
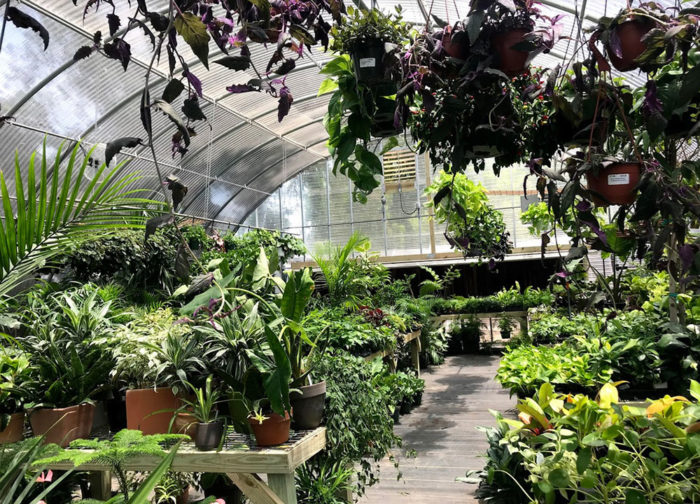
{"x":22,"y":20}
{"x":194,"y":82}
{"x":114,"y":23}
{"x":563,"y":274}
{"x":285,"y":102}
{"x":119,"y":50}
{"x":584,"y":206}
{"x":652,"y":105}
{"x":239,"y":88}
{"x":687,"y":255}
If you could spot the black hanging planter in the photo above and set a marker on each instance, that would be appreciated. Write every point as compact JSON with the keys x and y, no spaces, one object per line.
{"x":383,"y":120}
{"x":369,"y":67}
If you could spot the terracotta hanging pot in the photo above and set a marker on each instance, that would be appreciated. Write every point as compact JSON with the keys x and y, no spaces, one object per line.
{"x":457,"y":46}
{"x":628,"y":45}
{"x":615,"y":184}
{"x":15,"y":429}
{"x":510,"y":61}
{"x":63,"y":425}
{"x":272,"y":431}
{"x":140,"y":405}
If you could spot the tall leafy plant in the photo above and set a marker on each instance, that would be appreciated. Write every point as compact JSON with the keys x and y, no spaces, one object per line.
{"x":345,"y":284}
{"x":54,"y":209}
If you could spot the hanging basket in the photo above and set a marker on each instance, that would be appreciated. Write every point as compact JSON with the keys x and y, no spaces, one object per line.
{"x":511,"y":61}
{"x":628,"y":44}
{"x":615,"y":184}
{"x":383,"y":121}
{"x":370,"y":70}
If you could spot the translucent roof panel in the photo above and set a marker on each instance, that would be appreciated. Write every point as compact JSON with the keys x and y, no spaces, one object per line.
{"x":243,"y":154}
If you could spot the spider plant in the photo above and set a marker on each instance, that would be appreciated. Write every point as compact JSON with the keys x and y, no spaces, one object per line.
{"x":58,"y":205}
{"x":202,"y":406}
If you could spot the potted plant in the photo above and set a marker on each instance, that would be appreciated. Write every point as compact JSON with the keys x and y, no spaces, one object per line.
{"x":624,"y":36}
{"x":14,"y":373}
{"x":509,"y":34}
{"x":505,"y":326}
{"x":149,"y":359}
{"x":614,"y":182}
{"x":209,"y":429}
{"x":372,"y":39}
{"x":472,"y":225}
{"x":67,"y":371}
{"x":308,"y":399}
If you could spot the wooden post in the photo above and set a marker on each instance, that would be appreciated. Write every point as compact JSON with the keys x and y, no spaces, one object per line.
{"x":415,"y":355}
{"x":256,"y":490}
{"x":100,"y":485}
{"x":283,"y":486}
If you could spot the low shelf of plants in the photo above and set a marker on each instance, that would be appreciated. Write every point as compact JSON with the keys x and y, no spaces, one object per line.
{"x":238,"y":457}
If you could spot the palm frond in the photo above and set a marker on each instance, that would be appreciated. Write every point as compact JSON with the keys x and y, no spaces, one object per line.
{"x":52,"y":211}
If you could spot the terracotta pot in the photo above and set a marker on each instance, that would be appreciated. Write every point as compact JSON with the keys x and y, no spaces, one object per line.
{"x":63,"y":425}
{"x":141,"y":403}
{"x":184,"y":497}
{"x":15,"y":429}
{"x":308,"y":405}
{"x":630,"y":33}
{"x":616,"y":184}
{"x":185,"y":424}
{"x":272,"y":431}
{"x":510,"y":61}
{"x":455,"y":48}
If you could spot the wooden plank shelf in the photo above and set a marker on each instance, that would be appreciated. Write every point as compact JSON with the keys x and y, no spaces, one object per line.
{"x":240,"y":458}
{"x":414,"y":339}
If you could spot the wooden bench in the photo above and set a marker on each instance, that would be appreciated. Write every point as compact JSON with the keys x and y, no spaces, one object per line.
{"x":414,"y":339}
{"x":239,"y":458}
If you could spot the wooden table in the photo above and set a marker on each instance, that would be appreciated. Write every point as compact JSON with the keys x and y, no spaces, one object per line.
{"x":414,"y":339}
{"x":239,"y":458}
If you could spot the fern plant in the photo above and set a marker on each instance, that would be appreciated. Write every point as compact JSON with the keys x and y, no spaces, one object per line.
{"x":126,"y":445}
{"x":58,"y":205}
{"x":345,"y":283}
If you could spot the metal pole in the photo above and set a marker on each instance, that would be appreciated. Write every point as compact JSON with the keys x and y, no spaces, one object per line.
{"x":301,"y":204}
{"x":328,"y":197}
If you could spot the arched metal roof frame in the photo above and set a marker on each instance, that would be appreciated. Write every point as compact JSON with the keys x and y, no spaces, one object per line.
{"x":256,"y":119}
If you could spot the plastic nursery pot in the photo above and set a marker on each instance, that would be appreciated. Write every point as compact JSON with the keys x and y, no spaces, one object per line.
{"x":116,"y":413}
{"x":510,"y":61}
{"x":140,"y":405}
{"x":383,"y":121}
{"x":62,"y":425}
{"x":308,"y":405}
{"x":15,"y":429}
{"x":208,"y":435}
{"x":368,"y":64}
{"x":274,"y":430}
{"x":615,"y":184}
{"x":630,"y":35}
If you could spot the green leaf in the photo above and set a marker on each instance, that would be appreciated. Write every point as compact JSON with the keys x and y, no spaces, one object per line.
{"x":583,"y":460}
{"x":297,"y":294}
{"x":191,"y":28}
{"x":327,"y":86}
{"x":633,"y":496}
{"x":559,"y":478}
{"x":359,"y":126}
{"x":143,"y":494}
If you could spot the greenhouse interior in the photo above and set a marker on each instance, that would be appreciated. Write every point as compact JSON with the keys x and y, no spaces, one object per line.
{"x":349,"y":251}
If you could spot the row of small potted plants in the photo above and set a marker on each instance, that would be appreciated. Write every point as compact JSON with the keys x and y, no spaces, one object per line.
{"x":275,"y":388}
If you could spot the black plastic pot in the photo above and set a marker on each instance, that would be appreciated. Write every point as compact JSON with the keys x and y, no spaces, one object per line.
{"x":308,"y":405}
{"x":383,"y":121}
{"x":208,"y":435}
{"x":368,"y":64}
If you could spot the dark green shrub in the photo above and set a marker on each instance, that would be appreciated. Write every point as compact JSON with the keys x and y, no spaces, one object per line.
{"x":360,"y":427}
